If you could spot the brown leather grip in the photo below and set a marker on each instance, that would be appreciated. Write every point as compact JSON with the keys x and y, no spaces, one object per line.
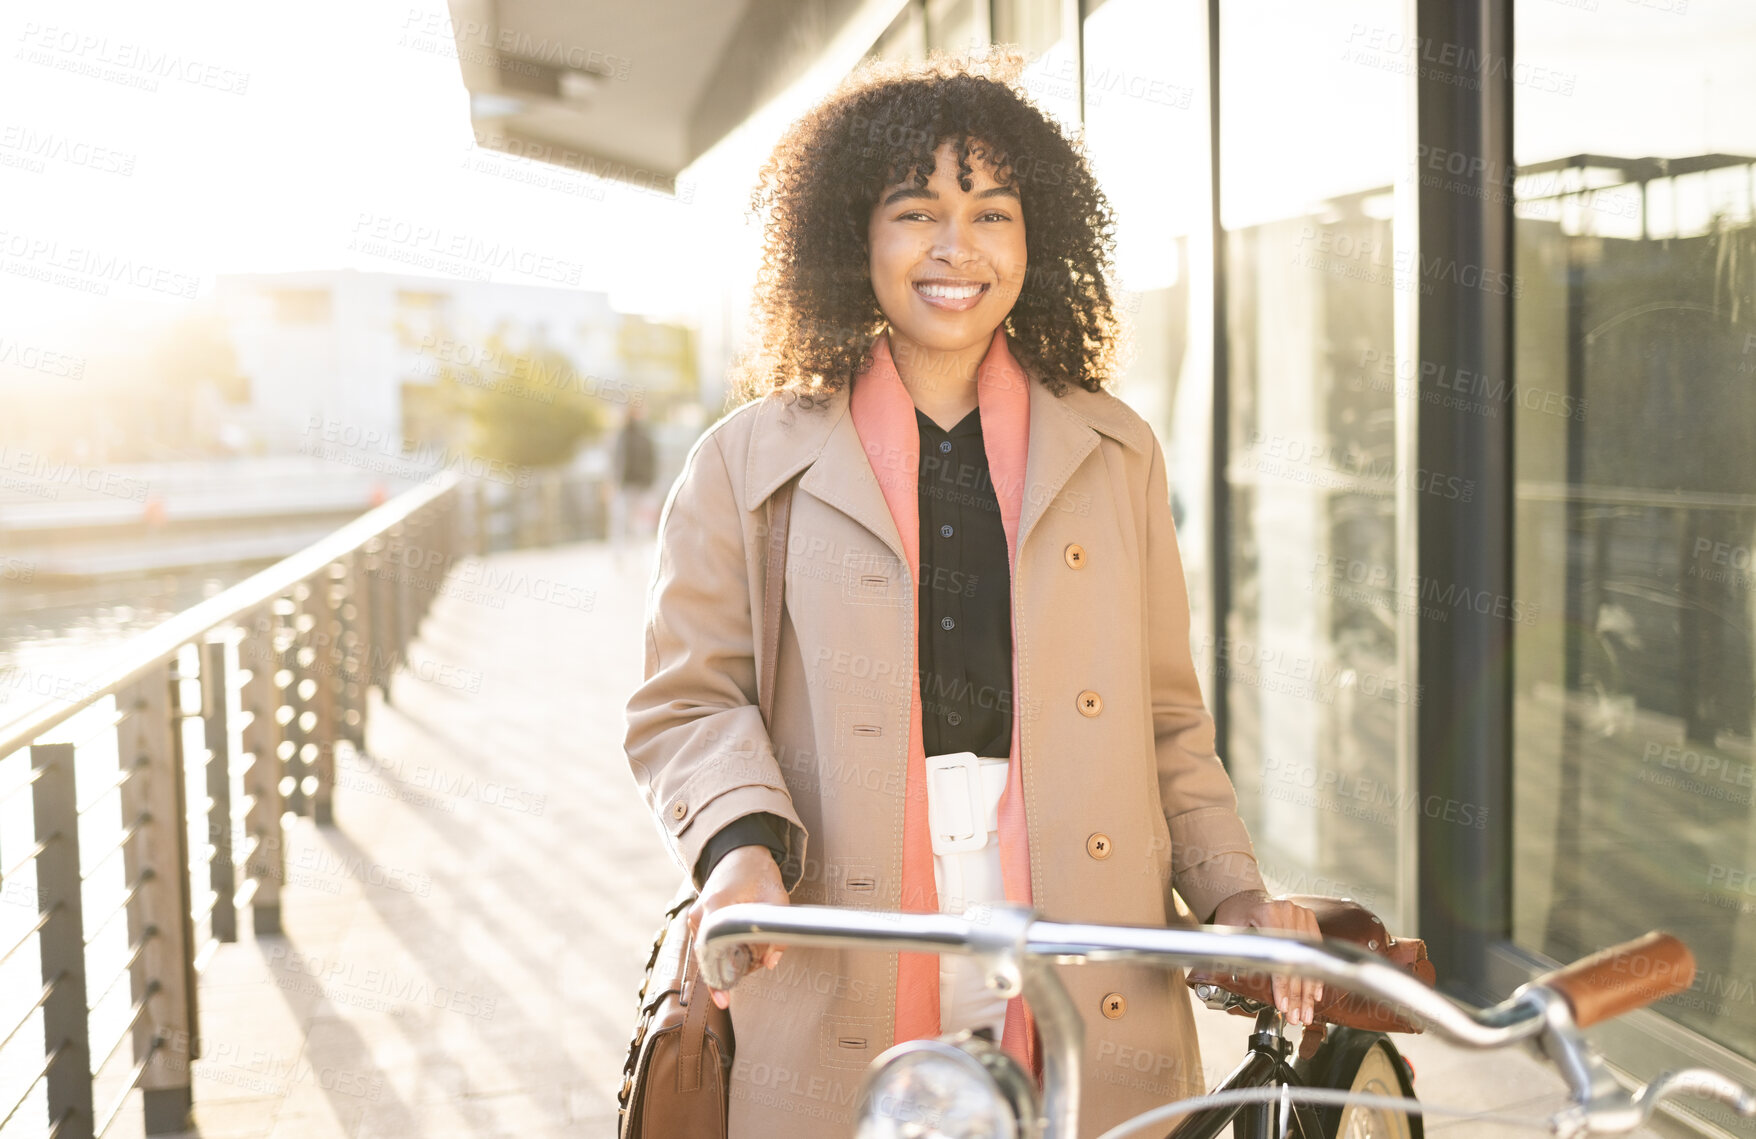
{"x":1624,"y":977}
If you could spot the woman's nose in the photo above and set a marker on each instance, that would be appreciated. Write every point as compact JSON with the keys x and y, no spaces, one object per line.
{"x":954,"y":243}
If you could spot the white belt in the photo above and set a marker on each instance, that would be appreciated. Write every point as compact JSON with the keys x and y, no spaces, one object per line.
{"x":963,"y":813}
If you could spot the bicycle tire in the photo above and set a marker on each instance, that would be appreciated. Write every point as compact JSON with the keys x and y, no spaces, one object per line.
{"x":1354,"y":1060}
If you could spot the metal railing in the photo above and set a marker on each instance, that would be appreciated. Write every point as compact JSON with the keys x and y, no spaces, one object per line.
{"x":288,"y":657}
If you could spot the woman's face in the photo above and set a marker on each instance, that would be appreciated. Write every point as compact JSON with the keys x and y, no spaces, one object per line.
{"x":948,"y":265}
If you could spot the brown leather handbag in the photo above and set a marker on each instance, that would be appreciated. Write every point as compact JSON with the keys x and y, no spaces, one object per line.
{"x":676,"y":1081}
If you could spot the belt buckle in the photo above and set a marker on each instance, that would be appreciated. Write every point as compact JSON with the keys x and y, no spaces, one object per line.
{"x":955,"y":802}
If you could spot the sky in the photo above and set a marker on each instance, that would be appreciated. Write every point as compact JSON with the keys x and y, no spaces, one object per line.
{"x":146,"y":148}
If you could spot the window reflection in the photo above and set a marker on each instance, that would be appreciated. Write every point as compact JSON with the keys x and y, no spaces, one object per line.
{"x":1312,"y":660}
{"x":1634,"y":404}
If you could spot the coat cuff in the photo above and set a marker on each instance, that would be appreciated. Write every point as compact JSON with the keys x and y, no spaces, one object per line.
{"x":1211,"y":858}
{"x":764,"y":830}
{"x":693,"y":825}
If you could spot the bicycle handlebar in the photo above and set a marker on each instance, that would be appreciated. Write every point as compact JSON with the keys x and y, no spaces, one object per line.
{"x":1606,"y":984}
{"x":1339,"y":963}
{"x":1623,"y":977}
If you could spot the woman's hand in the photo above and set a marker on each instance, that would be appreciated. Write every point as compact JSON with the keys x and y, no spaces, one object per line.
{"x":1295,"y":997}
{"x":747,"y":874}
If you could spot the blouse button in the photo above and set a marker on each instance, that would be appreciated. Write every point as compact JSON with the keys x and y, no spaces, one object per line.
{"x":944,"y":446}
{"x":954,"y":718}
{"x":1115,"y":1005}
{"x":945,"y":530}
{"x":947,"y":624}
{"x":1090,"y":703}
{"x":1098,"y":846}
{"x":1075,"y":555}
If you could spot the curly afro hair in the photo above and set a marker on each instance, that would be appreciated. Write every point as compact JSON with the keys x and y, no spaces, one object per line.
{"x":814,"y":310}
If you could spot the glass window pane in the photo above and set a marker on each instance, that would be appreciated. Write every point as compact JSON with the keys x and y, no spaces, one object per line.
{"x":1634,"y":405}
{"x":1146,"y":79}
{"x":1314,"y":660}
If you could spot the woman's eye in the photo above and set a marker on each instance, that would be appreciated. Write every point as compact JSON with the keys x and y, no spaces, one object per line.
{"x":996,"y":214}
{"x":913,"y":215}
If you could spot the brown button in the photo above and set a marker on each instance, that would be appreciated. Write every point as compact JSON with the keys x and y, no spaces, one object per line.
{"x":1115,"y":1004}
{"x":1098,"y":846}
{"x":1090,"y":703}
{"x":1075,"y":556}
{"x":679,"y":810}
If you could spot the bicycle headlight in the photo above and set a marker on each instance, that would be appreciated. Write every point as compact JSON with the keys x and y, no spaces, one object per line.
{"x":961,"y":1087}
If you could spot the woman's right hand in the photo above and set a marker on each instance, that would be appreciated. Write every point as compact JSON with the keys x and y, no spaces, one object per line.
{"x":747,"y":874}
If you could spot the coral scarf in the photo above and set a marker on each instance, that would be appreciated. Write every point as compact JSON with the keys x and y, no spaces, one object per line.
{"x":884,"y":417}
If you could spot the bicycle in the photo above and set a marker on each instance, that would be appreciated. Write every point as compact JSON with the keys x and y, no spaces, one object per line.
{"x":1018,"y":951}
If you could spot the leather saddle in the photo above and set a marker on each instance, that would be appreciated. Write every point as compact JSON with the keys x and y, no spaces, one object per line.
{"x":1340,"y":919}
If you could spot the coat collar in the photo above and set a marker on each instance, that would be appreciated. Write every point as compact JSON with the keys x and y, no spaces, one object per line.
{"x":787,"y":438}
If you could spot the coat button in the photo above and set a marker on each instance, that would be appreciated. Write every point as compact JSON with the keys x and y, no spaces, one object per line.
{"x":679,"y":810}
{"x":1075,"y":555}
{"x":1090,"y":703}
{"x":1098,"y":846}
{"x":1115,"y":1005}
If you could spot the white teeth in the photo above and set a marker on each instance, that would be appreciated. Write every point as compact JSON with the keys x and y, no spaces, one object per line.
{"x":949,"y":292}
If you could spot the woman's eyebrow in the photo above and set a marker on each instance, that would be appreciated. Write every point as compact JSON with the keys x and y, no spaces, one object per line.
{"x":908,"y":192}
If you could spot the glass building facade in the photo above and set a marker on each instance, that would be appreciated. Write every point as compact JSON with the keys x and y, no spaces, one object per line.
{"x":1452,"y":347}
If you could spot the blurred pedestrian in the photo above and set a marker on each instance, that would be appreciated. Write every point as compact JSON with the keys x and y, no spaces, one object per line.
{"x":633,"y":506}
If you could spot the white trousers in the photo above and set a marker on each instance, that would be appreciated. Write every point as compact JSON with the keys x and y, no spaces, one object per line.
{"x":963,"y":812}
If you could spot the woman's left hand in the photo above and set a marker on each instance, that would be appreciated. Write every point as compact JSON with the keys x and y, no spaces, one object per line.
{"x":1295,"y":997}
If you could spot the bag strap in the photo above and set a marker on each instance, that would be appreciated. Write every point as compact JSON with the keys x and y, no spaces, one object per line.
{"x":692,"y":1041}
{"x":780,"y":511}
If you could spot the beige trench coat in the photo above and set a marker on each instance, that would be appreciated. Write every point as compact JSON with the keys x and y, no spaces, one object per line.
{"x":1122,"y":804}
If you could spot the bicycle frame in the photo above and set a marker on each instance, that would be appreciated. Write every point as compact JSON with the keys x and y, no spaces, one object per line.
{"x":1265,"y":1064}
{"x":1018,"y":950}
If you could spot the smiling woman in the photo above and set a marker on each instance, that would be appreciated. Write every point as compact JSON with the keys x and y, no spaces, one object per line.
{"x":979,"y":688}
{"x":865,"y":193}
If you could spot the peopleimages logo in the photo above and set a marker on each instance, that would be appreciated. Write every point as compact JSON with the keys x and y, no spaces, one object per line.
{"x":432,"y":246}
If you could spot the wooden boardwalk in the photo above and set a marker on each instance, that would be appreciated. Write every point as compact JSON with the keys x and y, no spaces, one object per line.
{"x":462,"y":947}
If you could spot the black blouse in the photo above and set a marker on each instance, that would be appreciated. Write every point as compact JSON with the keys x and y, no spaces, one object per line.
{"x":965,"y":607}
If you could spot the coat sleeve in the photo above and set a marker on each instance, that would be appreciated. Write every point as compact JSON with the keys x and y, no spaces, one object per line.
{"x":1211,"y":854}
{"x":695,"y":738}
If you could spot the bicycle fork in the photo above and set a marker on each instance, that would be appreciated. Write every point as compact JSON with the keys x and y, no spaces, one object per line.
{"x":1263,"y":1065}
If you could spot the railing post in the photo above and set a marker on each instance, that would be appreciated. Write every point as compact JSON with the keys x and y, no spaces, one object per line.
{"x":484,"y":517}
{"x":551,"y":507}
{"x":266,"y":862}
{"x":376,"y":623}
{"x":297,"y":730}
{"x":326,"y":670}
{"x":159,"y":918}
{"x":66,"y":1027}
{"x":216,"y":707}
{"x":356,"y":621}
{"x":402,"y":603}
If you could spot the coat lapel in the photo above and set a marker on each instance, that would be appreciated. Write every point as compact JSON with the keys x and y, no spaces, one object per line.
{"x":822,"y":442}
{"x":1059,"y":442}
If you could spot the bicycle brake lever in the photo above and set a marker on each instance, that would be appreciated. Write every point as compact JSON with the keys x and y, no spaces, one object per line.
{"x":1699,"y":1082}
{"x":1603,"y":1118}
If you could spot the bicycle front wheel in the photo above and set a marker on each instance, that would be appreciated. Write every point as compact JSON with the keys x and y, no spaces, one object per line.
{"x":1368,"y":1063}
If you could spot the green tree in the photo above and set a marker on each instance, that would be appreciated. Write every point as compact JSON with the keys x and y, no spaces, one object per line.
{"x":526,"y":407}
